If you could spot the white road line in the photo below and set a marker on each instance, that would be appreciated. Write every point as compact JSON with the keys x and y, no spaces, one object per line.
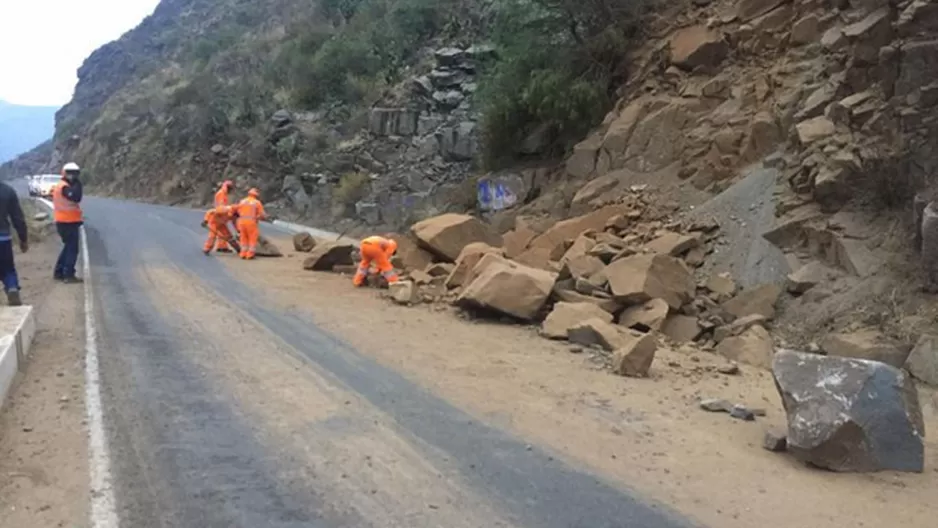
{"x":103,"y":506}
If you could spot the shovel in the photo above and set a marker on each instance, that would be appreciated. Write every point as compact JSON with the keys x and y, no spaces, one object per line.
{"x":231,"y":241}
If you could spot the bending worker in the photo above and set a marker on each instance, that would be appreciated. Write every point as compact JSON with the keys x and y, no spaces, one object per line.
{"x":66,"y":211}
{"x":250,"y":211}
{"x":221,"y":200}
{"x":216,"y":220}
{"x":377,"y":250}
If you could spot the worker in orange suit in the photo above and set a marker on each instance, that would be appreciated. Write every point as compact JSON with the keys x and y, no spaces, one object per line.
{"x":217,"y":220}
{"x":377,"y":250}
{"x":250,"y":211}
{"x":221,"y":200}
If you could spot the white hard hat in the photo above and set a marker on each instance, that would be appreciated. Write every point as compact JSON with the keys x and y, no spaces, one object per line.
{"x":71,"y":167}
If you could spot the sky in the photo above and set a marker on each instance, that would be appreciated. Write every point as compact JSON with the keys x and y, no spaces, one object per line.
{"x":43,"y":42}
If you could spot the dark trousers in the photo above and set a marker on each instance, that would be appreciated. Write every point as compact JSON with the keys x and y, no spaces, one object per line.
{"x":7,"y":267}
{"x":71,"y":238}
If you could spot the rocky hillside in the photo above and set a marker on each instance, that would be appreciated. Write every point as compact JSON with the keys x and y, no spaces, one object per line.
{"x":23,"y":127}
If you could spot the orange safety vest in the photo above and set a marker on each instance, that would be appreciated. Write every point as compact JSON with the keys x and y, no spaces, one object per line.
{"x":221,"y":197}
{"x":250,"y":209}
{"x":387,"y":245}
{"x":64,"y":210}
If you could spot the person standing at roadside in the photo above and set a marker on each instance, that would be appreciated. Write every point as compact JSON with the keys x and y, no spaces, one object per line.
{"x":66,"y":211}
{"x":11,"y":216}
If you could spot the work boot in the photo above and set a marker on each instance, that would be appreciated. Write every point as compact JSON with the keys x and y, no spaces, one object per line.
{"x":13,"y":298}
{"x":224,"y":250}
{"x":73,"y":280}
{"x":206,"y":252}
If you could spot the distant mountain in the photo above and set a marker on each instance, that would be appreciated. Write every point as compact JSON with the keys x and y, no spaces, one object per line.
{"x":24,"y":127}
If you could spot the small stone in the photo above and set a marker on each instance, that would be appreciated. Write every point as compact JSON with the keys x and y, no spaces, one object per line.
{"x":775,"y":441}
{"x":730,"y":370}
{"x":715,"y":405}
{"x":740,"y":412}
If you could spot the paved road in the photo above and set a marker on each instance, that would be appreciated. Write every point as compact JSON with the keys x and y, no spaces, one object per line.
{"x":221,"y":411}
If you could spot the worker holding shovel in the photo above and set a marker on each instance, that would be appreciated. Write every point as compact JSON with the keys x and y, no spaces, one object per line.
{"x":216,"y":220}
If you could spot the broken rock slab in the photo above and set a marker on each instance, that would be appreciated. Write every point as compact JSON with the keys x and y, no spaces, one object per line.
{"x":635,"y":355}
{"x":671,"y":243}
{"x":596,"y":332}
{"x":807,"y":277}
{"x":681,"y":328}
{"x":567,"y":315}
{"x":403,"y":292}
{"x":468,"y":258}
{"x":923,"y":361}
{"x":640,"y":278}
{"x":303,"y":242}
{"x":647,"y":317}
{"x":266,"y":248}
{"x":697,"y":46}
{"x":865,"y":344}
{"x":753,"y":346}
{"x":446,"y":235}
{"x":327,"y":255}
{"x":508,"y":287}
{"x":760,"y":300}
{"x":850,"y":415}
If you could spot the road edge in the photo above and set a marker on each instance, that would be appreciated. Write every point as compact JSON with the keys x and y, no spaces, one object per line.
{"x":103,"y":505}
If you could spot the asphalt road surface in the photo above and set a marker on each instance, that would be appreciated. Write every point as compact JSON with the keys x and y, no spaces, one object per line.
{"x":221,"y":411}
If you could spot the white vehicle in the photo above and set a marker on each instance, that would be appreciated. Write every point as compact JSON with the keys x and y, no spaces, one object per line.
{"x":31,"y":182}
{"x":45,"y":183}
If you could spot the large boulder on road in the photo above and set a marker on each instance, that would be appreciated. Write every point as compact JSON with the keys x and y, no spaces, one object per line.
{"x":567,"y":315}
{"x":850,"y":414}
{"x":266,"y":248}
{"x":446,"y":235}
{"x":508,"y":287}
{"x":468,"y":258}
{"x":641,"y":278}
{"x":326,"y":255}
{"x":303,"y":242}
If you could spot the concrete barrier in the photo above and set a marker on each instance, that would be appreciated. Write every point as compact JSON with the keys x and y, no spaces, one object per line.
{"x":17,"y":328}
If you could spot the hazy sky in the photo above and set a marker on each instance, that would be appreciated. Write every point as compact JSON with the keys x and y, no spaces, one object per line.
{"x":43,"y":42}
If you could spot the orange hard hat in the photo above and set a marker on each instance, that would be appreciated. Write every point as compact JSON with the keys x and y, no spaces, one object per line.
{"x":228,"y":184}
{"x":254,"y":192}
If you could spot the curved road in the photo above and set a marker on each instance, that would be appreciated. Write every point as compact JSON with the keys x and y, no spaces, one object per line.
{"x":221,"y":411}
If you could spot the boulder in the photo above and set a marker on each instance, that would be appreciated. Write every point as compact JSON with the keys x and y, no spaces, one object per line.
{"x":565,"y":293}
{"x":635,"y":355}
{"x":807,"y":277}
{"x":566,"y":315}
{"x":517,"y":240}
{"x":865,"y":344}
{"x":581,"y":267}
{"x":697,"y":46}
{"x":759,"y":300}
{"x":923,"y":361}
{"x":681,"y":328}
{"x":850,"y":414}
{"x":671,"y":243}
{"x":570,"y":229}
{"x":595,"y":332}
{"x":328,"y":254}
{"x":467,"y":261}
{"x":304,"y":242}
{"x":508,"y":287}
{"x":753,"y":346}
{"x":647,"y":317}
{"x":410,"y":255}
{"x":814,"y":129}
{"x":403,"y":292}
{"x":446,"y":235}
{"x":738,"y":326}
{"x":266,"y":248}
{"x":640,"y":278}
{"x":579,"y":248}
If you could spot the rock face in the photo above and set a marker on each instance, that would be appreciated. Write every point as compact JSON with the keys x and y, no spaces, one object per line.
{"x":865,"y":344}
{"x":849,"y":414}
{"x":304,"y":242}
{"x":697,"y":46}
{"x":639,"y":279}
{"x":329,"y":254}
{"x":447,"y":235}
{"x":508,"y":287}
{"x":567,"y":315}
{"x":635,"y":355}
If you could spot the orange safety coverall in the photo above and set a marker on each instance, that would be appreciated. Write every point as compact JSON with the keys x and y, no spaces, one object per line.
{"x":221,"y":200}
{"x":378,"y":250}
{"x":218,"y":232}
{"x":250,"y":211}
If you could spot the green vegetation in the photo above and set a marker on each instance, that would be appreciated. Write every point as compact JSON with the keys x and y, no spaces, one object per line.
{"x":352,"y":187}
{"x":560,"y":63}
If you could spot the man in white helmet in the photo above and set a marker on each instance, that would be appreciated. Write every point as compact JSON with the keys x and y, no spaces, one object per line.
{"x":66,"y":210}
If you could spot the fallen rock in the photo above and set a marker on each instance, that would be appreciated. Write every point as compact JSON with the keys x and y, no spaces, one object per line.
{"x":469,"y":257}
{"x":697,"y":46}
{"x":671,"y":243}
{"x":517,"y":240}
{"x":741,"y":412}
{"x":759,"y":300}
{"x":567,"y":315}
{"x":647,"y":317}
{"x":865,"y":344}
{"x":721,"y":284}
{"x":447,"y":235}
{"x":814,"y":129}
{"x":326,"y":255}
{"x":508,"y":287}
{"x":635,"y":354}
{"x":583,"y":266}
{"x":850,"y":414}
{"x":681,"y":328}
{"x":441,"y":269}
{"x":581,"y":245}
{"x":774,"y":441}
{"x":715,"y":405}
{"x":807,"y":277}
{"x":304,"y":242}
{"x":738,"y":326}
{"x":595,"y":332}
{"x":266,"y":248}
{"x":640,"y":278}
{"x":568,"y":294}
{"x":403,"y":292}
{"x":923,"y":361}
{"x":571,"y":228}
{"x":410,"y":255}
{"x":753,"y":346}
